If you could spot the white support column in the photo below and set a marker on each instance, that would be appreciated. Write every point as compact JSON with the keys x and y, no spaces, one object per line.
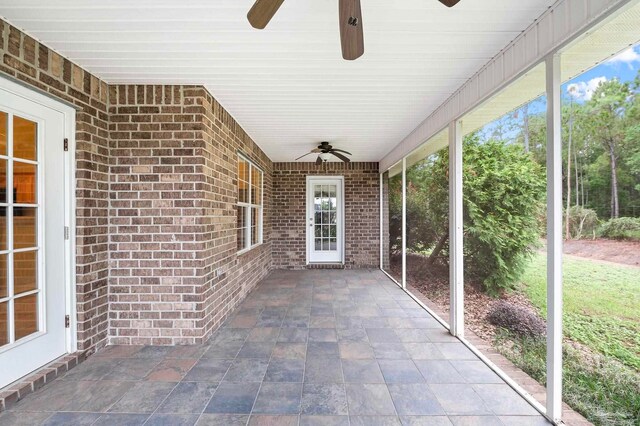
{"x":404,"y":223}
{"x":456,"y":278}
{"x":381,"y":223}
{"x":554,"y":239}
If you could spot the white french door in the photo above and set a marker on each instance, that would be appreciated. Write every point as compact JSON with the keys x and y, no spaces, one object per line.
{"x":325,"y":219}
{"x":34,"y":291}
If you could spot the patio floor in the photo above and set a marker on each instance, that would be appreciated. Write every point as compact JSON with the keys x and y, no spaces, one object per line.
{"x":323,"y":347}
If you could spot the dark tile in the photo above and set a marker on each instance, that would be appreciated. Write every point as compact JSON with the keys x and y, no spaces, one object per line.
{"x":187,"y":352}
{"x":229,"y":335}
{"x":400,"y":371}
{"x":263,"y":334}
{"x":172,"y":420}
{"x":170,"y":370}
{"x":459,"y":400}
{"x":322,"y":349}
{"x":208,"y":370}
{"x":293,"y":335}
{"x":352,"y":335}
{"x":278,"y":398}
{"x":76,"y":419}
{"x":423,"y":351}
{"x":323,"y":335}
{"x":476,"y":372}
{"x":53,"y":397}
{"x":374,"y":421}
{"x":143,"y":397}
{"x":298,"y":321}
{"x":324,"y":399}
{"x":272,"y":420}
{"x":15,"y":418}
{"x":415,"y":399}
{"x":290,"y":351}
{"x":425,"y":421}
{"x":324,"y":420}
{"x":207,"y":419}
{"x":504,"y":401}
{"x":439,"y":371}
{"x":188,"y":397}
{"x":355,"y":350}
{"x":323,"y":370}
{"x":369,"y":399}
{"x":153,"y":352}
{"x":99,"y":397}
{"x":133,"y":369}
{"x":121,"y":419}
{"x":224,"y":350}
{"x":233,"y":398}
{"x":92,"y":369}
{"x":256,"y":350}
{"x":361,"y":371}
{"x":246,"y":370}
{"x":285,"y":370}
{"x":389,"y":351}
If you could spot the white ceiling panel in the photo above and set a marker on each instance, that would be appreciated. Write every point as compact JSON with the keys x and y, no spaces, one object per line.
{"x":288,"y":85}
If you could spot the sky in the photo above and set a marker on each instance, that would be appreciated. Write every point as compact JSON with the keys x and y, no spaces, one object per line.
{"x":624,"y":67}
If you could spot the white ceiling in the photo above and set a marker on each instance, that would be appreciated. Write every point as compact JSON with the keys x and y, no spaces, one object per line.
{"x":288,"y":85}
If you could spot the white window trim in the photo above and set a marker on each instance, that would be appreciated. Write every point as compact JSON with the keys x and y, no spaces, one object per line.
{"x":249,"y":206}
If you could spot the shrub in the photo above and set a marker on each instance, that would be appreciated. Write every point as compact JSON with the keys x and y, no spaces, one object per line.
{"x":583,"y":222}
{"x":517,"y":319}
{"x":623,"y":228}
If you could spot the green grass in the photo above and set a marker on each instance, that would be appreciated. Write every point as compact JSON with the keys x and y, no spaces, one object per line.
{"x":603,"y":390}
{"x":601,"y":304}
{"x":602,"y":312}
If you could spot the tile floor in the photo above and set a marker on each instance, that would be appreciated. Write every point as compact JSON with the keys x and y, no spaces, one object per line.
{"x":305,"y":348}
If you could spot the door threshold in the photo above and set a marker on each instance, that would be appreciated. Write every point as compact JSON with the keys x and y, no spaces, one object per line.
{"x":325,"y":266}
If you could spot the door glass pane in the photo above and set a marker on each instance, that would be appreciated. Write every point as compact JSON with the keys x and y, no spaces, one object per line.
{"x":26,"y":315}
{"x":24,"y":183}
{"x":3,"y":276}
{"x":4,"y":117}
{"x":24,"y":274}
{"x":4,"y":324}
{"x":325,"y":218}
{"x":24,"y":138}
{"x":3,"y":228}
{"x":24,"y":227}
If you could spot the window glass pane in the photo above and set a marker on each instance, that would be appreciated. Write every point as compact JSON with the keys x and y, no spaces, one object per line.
{"x":256,"y":185}
{"x":255,"y":236}
{"x":24,"y":265}
{"x":3,"y":276}
{"x":24,"y":138}
{"x":3,"y":181}
{"x":242,"y":224}
{"x":24,"y":227}
{"x":24,"y":182}
{"x":26,"y":315}
{"x":4,"y":324}
{"x":243,"y":181}
{"x":3,"y":133}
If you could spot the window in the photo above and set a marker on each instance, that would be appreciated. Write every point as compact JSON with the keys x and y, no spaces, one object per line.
{"x":249,"y":231}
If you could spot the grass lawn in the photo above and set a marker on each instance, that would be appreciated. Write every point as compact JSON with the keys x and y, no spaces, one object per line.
{"x":602,"y":311}
{"x":601,"y":304}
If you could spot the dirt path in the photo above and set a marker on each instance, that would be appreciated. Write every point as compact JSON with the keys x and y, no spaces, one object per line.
{"x":621,"y":252}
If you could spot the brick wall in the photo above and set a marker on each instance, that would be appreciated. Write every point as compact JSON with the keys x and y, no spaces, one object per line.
{"x":362,"y":212}
{"x":27,"y":60}
{"x":175,"y":273}
{"x":156,"y":189}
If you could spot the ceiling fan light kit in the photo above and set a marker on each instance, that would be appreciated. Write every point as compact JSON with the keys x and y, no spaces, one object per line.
{"x":350,"y":15}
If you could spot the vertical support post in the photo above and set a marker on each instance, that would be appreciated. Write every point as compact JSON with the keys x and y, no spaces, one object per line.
{"x":381,"y":224}
{"x":456,"y":270}
{"x":404,"y":223}
{"x":554,"y":239}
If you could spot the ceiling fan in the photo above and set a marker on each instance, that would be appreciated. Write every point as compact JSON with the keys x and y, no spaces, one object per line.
{"x":325,"y":151}
{"x":351,"y":34}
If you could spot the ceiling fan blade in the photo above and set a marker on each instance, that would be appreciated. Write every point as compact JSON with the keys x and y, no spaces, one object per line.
{"x":342,"y":150}
{"x":308,"y":153}
{"x":340,"y":156}
{"x":351,"y":34}
{"x":262,"y":11}
{"x":318,"y":161}
{"x":449,"y":3}
{"x":316,"y":150}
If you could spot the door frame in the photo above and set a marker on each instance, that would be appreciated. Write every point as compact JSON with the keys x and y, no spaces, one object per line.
{"x":309,"y":235}
{"x":68,"y":112}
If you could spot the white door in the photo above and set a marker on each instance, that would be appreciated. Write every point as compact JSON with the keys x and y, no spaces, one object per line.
{"x":325,"y":220}
{"x":33,"y":290}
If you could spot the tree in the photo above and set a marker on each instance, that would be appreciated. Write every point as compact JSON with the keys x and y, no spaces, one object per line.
{"x":606,"y":111}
